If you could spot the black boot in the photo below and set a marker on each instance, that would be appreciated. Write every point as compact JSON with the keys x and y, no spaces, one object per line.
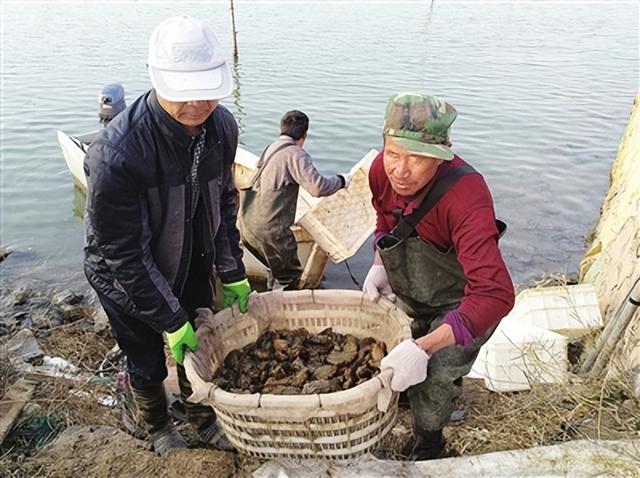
{"x":424,"y":445}
{"x":149,"y":412}
{"x":403,"y":400}
{"x":202,"y":418}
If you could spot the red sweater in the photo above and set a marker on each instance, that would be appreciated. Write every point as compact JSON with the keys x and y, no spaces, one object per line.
{"x":464,"y":221}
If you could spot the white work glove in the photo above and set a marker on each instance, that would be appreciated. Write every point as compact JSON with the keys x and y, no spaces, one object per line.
{"x":406,"y":365}
{"x":347,"y":179}
{"x":376,"y":283}
{"x":409,"y":364}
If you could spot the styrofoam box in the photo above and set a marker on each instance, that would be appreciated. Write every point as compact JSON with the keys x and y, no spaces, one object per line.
{"x":342,"y":222}
{"x":556,"y":308}
{"x":518,"y":355}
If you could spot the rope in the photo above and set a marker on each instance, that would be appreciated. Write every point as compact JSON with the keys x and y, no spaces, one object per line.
{"x":355,"y":281}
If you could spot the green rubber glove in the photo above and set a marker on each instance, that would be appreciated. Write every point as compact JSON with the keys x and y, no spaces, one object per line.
{"x":185,"y":336}
{"x":236,"y":291}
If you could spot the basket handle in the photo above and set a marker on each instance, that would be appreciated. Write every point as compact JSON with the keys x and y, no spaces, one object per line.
{"x":200,"y":388}
{"x":385,"y":394}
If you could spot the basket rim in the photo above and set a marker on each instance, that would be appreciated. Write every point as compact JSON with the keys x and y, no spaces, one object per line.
{"x":318,"y":296}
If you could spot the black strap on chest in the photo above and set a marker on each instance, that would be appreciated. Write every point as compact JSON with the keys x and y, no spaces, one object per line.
{"x":263,"y":161}
{"x":407,"y":224}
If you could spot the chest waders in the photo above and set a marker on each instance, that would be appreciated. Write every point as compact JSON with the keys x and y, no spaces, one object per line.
{"x":266,"y":217}
{"x":431,"y":283}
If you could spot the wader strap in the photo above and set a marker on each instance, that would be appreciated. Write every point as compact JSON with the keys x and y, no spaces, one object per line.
{"x":405,"y":227}
{"x":262,"y":163}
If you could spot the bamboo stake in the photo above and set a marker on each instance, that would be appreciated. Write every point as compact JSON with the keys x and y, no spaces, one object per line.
{"x":235,"y":33}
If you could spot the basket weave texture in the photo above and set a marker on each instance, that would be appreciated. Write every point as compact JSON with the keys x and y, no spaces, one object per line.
{"x":342,"y":222}
{"x":337,"y":425}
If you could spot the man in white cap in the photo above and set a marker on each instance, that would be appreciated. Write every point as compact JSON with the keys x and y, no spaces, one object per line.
{"x":161,"y":216}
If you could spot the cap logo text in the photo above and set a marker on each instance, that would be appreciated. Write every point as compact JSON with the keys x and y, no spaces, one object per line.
{"x":191,"y":53}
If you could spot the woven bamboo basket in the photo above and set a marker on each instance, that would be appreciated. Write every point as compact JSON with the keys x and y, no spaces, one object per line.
{"x":337,"y":425}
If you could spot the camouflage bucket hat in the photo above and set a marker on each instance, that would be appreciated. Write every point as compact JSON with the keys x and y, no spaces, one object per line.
{"x":420,"y":123}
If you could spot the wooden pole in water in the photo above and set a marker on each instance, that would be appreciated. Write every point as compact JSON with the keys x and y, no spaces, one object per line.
{"x":233,"y":27}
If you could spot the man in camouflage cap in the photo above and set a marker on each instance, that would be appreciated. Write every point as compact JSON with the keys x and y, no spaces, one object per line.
{"x":420,"y":123}
{"x":436,"y":249}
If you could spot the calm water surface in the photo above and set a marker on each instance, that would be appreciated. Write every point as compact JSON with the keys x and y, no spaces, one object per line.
{"x":543,"y":92}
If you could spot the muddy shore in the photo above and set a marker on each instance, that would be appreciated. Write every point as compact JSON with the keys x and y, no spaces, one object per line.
{"x":71,"y":423}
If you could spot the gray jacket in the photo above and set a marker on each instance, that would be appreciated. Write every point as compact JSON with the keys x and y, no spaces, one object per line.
{"x":293,"y":165}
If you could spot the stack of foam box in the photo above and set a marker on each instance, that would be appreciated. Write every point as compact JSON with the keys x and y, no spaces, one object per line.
{"x":525,"y":348}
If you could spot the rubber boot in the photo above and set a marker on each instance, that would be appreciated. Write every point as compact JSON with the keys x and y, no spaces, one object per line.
{"x":275,"y":284}
{"x":424,"y":445}
{"x":294,"y":284}
{"x":166,"y":440}
{"x":150,"y":413}
{"x":403,"y":400}
{"x":202,"y":418}
{"x":127,"y":406}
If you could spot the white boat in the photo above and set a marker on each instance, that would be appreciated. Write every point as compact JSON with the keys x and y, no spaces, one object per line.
{"x":313,"y":259}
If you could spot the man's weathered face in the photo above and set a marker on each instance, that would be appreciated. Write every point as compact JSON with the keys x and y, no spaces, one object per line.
{"x":188,"y":113}
{"x":408,"y":173}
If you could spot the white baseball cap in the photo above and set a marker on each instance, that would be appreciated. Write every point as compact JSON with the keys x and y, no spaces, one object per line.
{"x":186,"y":62}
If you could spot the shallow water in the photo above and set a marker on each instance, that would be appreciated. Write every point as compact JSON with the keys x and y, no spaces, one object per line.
{"x":543,"y":92}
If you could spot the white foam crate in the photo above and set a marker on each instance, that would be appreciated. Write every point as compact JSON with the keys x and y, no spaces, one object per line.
{"x":518,"y":355}
{"x":557,"y":308}
{"x":341,"y":223}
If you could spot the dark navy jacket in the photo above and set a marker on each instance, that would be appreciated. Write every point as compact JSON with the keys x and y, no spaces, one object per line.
{"x":138,"y":216}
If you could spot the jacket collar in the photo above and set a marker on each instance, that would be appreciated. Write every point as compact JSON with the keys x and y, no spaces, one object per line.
{"x":170,"y":127}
